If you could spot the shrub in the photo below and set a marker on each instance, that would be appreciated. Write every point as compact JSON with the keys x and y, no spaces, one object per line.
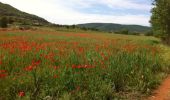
{"x":150,"y":33}
{"x":124,"y":31}
{"x":4,"y":22}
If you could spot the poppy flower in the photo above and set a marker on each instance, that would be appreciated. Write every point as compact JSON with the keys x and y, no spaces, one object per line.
{"x":55,"y":76}
{"x":0,"y":62}
{"x":2,"y":71}
{"x":3,"y":75}
{"x":56,"y":67}
{"x":21,"y":94}
{"x":29,"y":68}
{"x":74,"y":66}
{"x":36,"y":63}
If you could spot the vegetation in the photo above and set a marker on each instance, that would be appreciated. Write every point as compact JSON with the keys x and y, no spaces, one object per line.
{"x":150,"y":33}
{"x":70,"y":27}
{"x":108,"y":27}
{"x":24,"y":20}
{"x":50,"y":63}
{"x":19,"y":16}
{"x":3,"y":22}
{"x":127,"y":32}
{"x":161,"y":19}
{"x":59,"y":65}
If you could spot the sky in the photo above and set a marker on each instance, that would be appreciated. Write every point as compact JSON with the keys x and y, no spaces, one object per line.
{"x":87,"y":11}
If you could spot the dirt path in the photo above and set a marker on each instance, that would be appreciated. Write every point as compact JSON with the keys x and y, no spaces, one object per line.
{"x":163,"y":92}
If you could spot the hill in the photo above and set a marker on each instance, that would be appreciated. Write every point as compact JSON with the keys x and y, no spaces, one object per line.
{"x":22,"y":18}
{"x":19,"y":16}
{"x":111,"y":27}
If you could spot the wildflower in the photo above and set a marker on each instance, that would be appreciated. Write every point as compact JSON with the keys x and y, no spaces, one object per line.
{"x":78,"y":88}
{"x":129,"y":47}
{"x":0,"y":62}
{"x":74,"y":66}
{"x":79,"y":66}
{"x":3,"y":71}
{"x":29,"y":68}
{"x":56,"y":67}
{"x":85,"y":66}
{"x":81,"y":49}
{"x":21,"y":94}
{"x":3,"y":75}
{"x":55,"y":76}
{"x":36,"y":63}
{"x":102,"y":54}
{"x":82,"y":66}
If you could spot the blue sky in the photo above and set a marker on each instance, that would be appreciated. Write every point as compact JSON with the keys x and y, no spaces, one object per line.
{"x":87,"y":11}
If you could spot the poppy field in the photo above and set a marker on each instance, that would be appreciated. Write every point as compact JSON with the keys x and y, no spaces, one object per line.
{"x":47,"y":65}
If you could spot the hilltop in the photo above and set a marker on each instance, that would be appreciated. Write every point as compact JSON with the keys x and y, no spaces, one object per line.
{"x":20,"y":17}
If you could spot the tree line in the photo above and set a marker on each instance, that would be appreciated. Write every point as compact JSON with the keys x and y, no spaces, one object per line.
{"x":4,"y":21}
{"x":160,"y":19}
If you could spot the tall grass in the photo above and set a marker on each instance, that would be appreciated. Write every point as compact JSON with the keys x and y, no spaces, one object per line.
{"x":76,"y":69}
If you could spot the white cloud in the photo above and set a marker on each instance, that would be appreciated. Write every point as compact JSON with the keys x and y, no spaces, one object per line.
{"x":60,"y":12}
{"x":118,"y":4}
{"x":126,"y":4}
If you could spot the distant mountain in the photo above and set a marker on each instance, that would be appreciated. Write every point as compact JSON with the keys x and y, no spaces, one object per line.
{"x":111,"y":27}
{"x":19,"y":16}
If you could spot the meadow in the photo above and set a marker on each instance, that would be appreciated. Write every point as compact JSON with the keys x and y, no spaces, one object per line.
{"x":36,"y":65}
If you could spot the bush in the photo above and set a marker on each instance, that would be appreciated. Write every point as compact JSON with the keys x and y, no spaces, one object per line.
{"x":4,"y":22}
{"x":10,"y":20}
{"x":124,"y":31}
{"x":159,"y":35}
{"x":150,"y":33}
{"x":25,"y":27}
{"x":134,"y":33}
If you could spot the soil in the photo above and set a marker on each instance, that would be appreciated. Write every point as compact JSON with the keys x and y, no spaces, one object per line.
{"x":163,"y":91}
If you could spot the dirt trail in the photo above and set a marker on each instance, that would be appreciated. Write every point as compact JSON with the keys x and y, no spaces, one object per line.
{"x":163,"y":92}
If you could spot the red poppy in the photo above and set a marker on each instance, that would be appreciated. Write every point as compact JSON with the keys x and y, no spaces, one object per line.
{"x":3,"y":71}
{"x":56,"y":67}
{"x":78,"y":88}
{"x":29,"y":68}
{"x":21,"y":94}
{"x":36,"y":63}
{"x":55,"y":76}
{"x":85,"y":66}
{"x":79,"y":66}
{"x":3,"y":75}
{"x":0,"y":62}
{"x":74,"y":66}
{"x":81,"y":49}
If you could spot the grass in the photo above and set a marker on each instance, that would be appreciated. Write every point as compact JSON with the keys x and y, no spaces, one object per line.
{"x":63,"y":65}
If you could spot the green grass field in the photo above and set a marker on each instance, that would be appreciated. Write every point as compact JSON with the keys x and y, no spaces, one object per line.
{"x":79,"y":65}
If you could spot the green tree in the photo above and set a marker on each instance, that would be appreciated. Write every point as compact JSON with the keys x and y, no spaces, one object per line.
{"x":10,"y":20}
{"x":4,"y":22}
{"x":160,"y":19}
{"x":124,"y":31}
